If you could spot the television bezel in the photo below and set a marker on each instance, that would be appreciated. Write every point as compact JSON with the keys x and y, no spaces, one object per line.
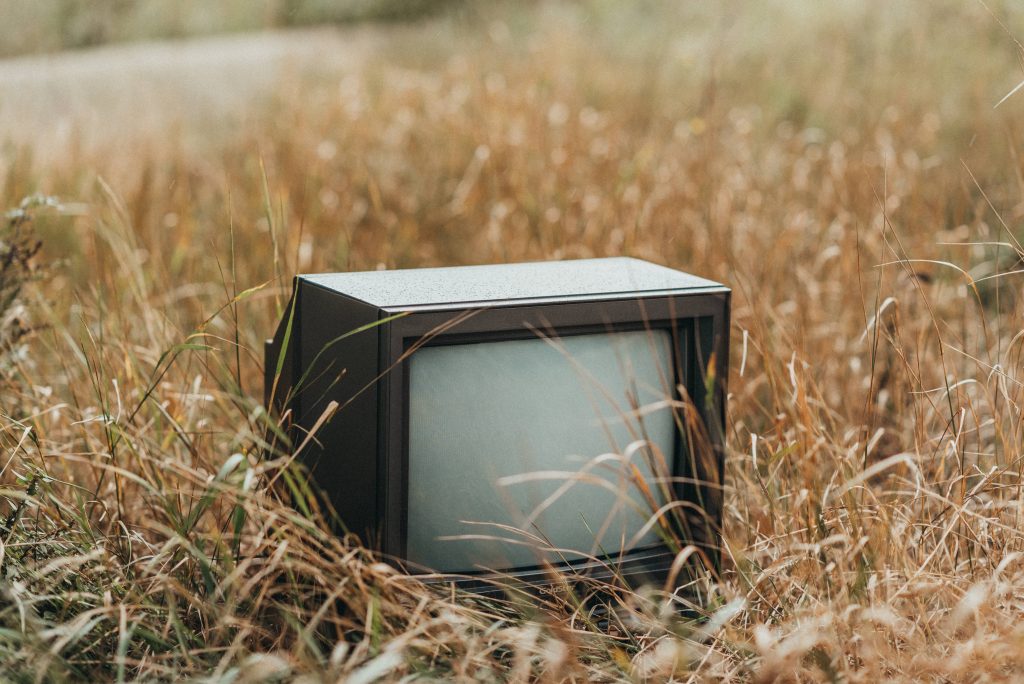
{"x":677,"y":312}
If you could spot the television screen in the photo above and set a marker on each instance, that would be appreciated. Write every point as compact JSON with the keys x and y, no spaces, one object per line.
{"x":516,"y":448}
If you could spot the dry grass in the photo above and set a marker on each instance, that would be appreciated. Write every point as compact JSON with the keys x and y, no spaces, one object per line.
{"x":845,"y":172}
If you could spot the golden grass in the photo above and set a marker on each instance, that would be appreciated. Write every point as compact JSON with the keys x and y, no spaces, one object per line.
{"x":844,"y":171}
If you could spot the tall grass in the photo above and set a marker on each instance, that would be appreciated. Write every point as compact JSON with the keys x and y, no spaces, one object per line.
{"x":844,"y":171}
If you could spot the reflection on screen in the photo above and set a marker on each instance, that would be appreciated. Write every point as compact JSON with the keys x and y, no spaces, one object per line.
{"x":507,"y":433}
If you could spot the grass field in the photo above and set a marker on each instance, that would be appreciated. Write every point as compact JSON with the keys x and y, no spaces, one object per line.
{"x":845,"y":169}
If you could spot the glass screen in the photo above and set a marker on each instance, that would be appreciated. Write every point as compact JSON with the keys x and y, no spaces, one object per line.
{"x":531,"y":450}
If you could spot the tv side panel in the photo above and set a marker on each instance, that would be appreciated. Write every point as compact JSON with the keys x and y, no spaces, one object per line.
{"x":276,"y":387}
{"x":339,"y":365}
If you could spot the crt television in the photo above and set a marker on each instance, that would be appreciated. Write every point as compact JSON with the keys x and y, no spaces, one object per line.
{"x":507,"y":420}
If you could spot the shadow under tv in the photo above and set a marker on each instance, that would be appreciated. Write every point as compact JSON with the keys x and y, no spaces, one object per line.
{"x":496,"y":423}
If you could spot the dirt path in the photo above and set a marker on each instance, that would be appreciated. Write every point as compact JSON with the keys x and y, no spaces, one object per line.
{"x":112,"y":95}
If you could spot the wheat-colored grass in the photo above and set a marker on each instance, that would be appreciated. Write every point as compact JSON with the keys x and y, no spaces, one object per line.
{"x":843,"y":169}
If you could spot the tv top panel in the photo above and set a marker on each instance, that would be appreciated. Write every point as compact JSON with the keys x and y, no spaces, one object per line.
{"x":544,"y":281}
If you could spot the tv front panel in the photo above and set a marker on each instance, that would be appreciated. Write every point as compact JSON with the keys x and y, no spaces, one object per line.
{"x":510,"y":418}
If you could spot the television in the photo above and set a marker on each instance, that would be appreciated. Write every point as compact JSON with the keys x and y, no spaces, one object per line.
{"x":503,"y":421}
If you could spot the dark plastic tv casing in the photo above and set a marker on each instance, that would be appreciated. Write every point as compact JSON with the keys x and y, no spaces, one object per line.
{"x":359,"y":458}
